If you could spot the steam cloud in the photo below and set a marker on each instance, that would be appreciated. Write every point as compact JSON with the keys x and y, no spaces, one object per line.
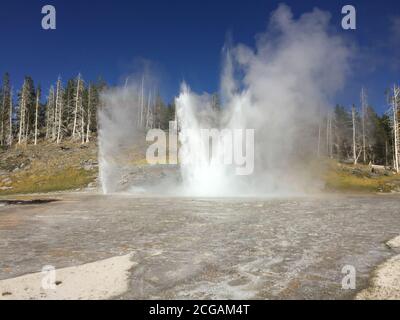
{"x":278,"y":88}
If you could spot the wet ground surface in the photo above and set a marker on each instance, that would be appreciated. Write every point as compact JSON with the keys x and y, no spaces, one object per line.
{"x":207,"y":248}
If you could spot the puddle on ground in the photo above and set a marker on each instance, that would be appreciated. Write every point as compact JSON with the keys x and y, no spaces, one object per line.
{"x":26,"y":202}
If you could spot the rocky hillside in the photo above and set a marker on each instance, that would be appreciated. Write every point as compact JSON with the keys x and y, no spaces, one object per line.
{"x":48,"y":167}
{"x":359,"y":178}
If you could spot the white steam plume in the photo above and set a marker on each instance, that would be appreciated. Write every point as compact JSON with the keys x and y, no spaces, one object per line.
{"x":124,"y":115}
{"x":277,"y":89}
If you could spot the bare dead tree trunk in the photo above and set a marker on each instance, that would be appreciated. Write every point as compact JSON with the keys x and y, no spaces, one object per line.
{"x":59,"y":134}
{"x":353,"y":116}
{"x":49,"y":112}
{"x":76,"y":105}
{"x":22,"y":113}
{"x":82,"y":124}
{"x":27,"y":122}
{"x":396,"y":93}
{"x":36,"y":116}
{"x":140,"y":111}
{"x":10,"y":138}
{"x":47,"y":120}
{"x":148,"y":111}
{"x":55,"y":123}
{"x":89,"y":114}
{"x":364,"y":114}
{"x":3,"y":112}
{"x":59,"y":108}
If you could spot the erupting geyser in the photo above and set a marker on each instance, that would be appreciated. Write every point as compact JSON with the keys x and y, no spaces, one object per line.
{"x":276,"y":89}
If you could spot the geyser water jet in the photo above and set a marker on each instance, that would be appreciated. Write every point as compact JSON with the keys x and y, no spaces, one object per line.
{"x":277,"y":89}
{"x":210,"y":157}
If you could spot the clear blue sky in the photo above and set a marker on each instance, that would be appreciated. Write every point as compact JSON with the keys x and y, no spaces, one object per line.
{"x":182,"y":39}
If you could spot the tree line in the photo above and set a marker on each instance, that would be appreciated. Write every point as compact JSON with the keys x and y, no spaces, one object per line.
{"x":356,"y":134}
{"x":360,"y":135}
{"x":66,"y":111}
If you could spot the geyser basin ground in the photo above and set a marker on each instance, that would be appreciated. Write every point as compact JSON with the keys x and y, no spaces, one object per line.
{"x":207,"y":248}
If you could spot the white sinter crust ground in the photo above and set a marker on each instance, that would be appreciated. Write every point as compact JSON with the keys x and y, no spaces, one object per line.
{"x":385,"y":284}
{"x":97,"y":280}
